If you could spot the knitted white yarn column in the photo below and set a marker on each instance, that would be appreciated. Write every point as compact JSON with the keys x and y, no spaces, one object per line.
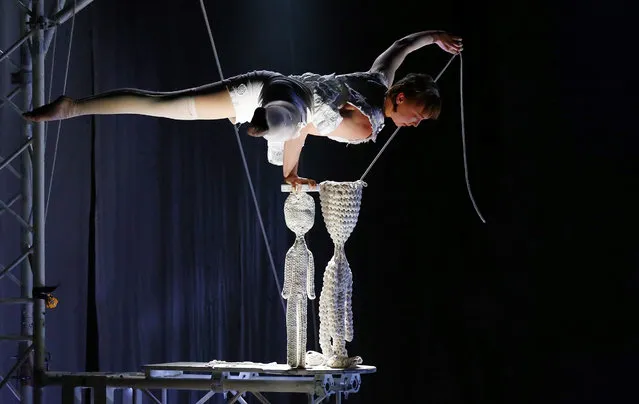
{"x":340,"y":207}
{"x":299,"y":276}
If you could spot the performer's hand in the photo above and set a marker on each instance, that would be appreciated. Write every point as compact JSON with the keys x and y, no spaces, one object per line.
{"x":449,"y":43}
{"x":296,"y":181}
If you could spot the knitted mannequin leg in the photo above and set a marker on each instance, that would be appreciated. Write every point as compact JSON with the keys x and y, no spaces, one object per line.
{"x":348,"y":302}
{"x":338,"y":324}
{"x":326,"y":302}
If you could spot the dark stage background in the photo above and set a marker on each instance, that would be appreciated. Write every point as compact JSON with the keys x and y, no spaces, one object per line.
{"x":153,"y":236}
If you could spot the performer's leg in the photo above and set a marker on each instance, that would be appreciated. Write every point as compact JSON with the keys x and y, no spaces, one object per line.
{"x":225,"y":99}
{"x":207,"y":102}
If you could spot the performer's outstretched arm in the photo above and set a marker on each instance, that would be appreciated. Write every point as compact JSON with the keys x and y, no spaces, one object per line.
{"x":389,"y":61}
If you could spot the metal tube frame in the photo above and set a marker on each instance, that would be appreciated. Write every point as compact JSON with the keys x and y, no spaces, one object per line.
{"x":36,"y":31}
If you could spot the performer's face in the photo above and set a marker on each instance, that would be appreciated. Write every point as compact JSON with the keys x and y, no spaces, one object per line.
{"x":408,"y":112}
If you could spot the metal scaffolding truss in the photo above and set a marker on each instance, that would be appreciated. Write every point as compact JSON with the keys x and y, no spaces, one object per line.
{"x":28,"y":208}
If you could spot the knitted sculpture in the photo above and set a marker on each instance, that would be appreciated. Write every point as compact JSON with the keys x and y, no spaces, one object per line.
{"x":299,"y":274}
{"x":340,"y":203}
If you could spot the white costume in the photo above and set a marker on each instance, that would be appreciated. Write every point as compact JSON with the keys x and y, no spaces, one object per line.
{"x":307,"y":98}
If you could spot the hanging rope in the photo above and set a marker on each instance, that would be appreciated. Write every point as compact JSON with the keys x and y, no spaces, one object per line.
{"x":246,"y":169}
{"x":55,"y":42}
{"x":64,"y":90}
{"x":463,"y":131}
{"x":446,"y":67}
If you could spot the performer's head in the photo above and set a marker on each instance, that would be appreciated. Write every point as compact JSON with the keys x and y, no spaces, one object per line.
{"x":412,"y":99}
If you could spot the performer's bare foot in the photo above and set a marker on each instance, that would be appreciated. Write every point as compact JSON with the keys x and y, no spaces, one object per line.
{"x":62,"y":108}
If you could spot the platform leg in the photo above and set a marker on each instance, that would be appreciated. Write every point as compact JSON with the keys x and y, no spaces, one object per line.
{"x":71,"y":394}
{"x":102,"y":395}
{"x":206,"y":397}
{"x":260,"y":397}
{"x":127,"y":396}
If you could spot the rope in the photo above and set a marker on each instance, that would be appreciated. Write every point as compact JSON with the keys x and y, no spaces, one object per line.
{"x":446,"y":67}
{"x":463,"y":131}
{"x":55,"y":42}
{"x":246,"y":169}
{"x":64,"y":89}
{"x":379,"y":154}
